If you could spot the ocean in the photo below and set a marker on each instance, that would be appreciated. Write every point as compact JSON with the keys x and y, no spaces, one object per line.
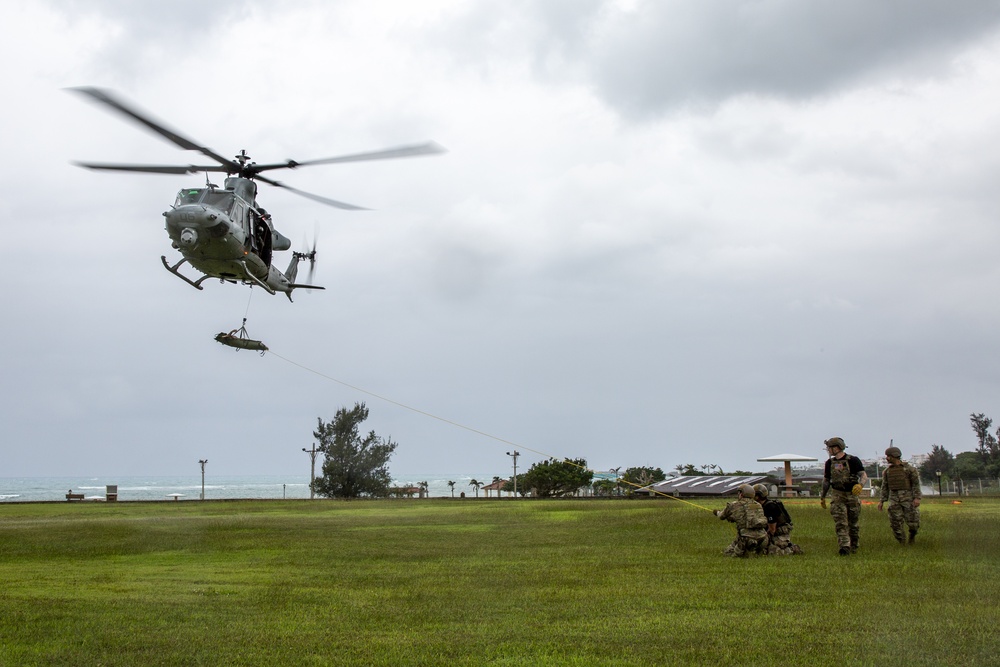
{"x":188,"y":487}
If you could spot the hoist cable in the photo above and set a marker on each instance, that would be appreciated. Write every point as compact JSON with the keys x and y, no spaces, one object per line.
{"x":464,"y":427}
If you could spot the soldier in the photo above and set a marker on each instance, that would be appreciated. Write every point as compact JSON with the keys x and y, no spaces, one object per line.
{"x":901,"y":487}
{"x":779,"y":524}
{"x":751,"y":524}
{"x":845,"y":474}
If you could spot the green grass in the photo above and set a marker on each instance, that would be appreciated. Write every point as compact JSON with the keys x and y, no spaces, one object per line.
{"x":473,"y":582}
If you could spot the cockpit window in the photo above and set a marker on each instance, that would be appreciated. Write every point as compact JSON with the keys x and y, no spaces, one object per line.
{"x":189,"y":196}
{"x":220,"y":199}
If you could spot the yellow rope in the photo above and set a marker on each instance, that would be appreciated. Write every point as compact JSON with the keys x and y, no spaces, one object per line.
{"x":468,"y":428}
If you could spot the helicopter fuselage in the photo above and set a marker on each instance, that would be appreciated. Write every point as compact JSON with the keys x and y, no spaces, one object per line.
{"x":223,"y":234}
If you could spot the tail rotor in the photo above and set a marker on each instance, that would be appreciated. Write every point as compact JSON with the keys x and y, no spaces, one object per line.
{"x":293,"y":269}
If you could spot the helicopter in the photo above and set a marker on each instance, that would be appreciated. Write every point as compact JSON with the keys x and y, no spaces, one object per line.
{"x":223,"y":232}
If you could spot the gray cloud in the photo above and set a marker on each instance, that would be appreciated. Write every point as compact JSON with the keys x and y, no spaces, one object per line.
{"x":658,"y":56}
{"x":588,"y":272}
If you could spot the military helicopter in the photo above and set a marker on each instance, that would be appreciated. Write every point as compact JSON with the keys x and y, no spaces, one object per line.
{"x":223,"y":232}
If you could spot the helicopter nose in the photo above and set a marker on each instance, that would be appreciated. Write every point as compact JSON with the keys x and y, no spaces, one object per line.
{"x":189,"y":238}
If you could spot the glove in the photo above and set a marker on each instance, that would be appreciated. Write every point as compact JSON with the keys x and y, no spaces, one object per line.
{"x":856,"y":490}
{"x":715,"y":512}
{"x":822,"y":503}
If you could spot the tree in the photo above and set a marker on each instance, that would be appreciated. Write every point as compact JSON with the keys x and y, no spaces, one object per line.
{"x":605,"y":487}
{"x":522,"y":488}
{"x":554,"y":478}
{"x":618,"y":480}
{"x":475,"y":484}
{"x":353,"y":466}
{"x":968,"y":465}
{"x":989,"y":444}
{"x":452,"y":485}
{"x":688,"y":470}
{"x":940,"y":459}
{"x":639,"y":476}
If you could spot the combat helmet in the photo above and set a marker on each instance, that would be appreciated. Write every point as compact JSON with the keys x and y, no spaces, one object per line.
{"x":835,"y":442}
{"x":746,"y":490}
{"x":760,"y":490}
{"x":894,"y":452}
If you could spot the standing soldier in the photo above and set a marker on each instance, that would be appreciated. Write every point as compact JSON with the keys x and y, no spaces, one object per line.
{"x":751,"y":524}
{"x":845,"y":474}
{"x":901,"y":487}
{"x":779,"y":524}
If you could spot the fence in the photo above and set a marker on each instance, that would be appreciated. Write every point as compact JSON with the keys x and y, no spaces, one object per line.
{"x":967,"y":487}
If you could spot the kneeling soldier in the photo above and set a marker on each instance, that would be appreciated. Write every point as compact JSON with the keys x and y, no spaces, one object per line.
{"x":751,"y":524}
{"x":901,"y":487}
{"x":779,"y":524}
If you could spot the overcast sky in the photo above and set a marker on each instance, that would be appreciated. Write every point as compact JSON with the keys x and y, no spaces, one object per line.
{"x":664,"y":232}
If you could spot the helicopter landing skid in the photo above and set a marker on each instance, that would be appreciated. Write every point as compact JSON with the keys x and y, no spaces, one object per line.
{"x":173,"y":269}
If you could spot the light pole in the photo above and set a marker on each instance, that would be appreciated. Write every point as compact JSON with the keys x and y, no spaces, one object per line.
{"x":938,"y":473}
{"x":514,"y":454}
{"x":202,"y":462}
{"x":312,"y":469}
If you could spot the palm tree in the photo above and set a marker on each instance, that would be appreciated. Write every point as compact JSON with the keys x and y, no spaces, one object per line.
{"x":618,"y":480}
{"x":452,"y":485}
{"x":496,"y":482}
{"x":475,"y":484}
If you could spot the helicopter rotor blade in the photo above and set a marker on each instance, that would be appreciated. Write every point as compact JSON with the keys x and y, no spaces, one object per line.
{"x":414,"y":150}
{"x":148,"y":168}
{"x":108,"y":99}
{"x":308,"y":195}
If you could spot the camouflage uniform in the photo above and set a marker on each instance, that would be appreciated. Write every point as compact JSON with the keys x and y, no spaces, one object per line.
{"x":780,"y":541}
{"x":841,"y":475}
{"x":901,"y":486}
{"x":779,"y":524}
{"x":751,"y":524}
{"x":845,"y":508}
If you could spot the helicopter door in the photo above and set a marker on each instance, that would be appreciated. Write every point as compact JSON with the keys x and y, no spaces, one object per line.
{"x":262,"y":237}
{"x":240,"y":219}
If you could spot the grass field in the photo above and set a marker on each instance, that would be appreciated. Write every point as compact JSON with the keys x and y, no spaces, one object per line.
{"x":474,"y":582}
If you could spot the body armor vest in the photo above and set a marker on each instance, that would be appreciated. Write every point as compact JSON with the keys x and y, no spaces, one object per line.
{"x":897,"y":479}
{"x":841,"y":477}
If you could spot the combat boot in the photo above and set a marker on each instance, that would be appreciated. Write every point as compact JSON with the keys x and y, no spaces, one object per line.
{"x":913,"y":535}
{"x":844,"y":551}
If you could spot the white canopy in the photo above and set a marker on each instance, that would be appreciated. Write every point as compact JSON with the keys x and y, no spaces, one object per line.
{"x":787,"y":460}
{"x":789,"y":457}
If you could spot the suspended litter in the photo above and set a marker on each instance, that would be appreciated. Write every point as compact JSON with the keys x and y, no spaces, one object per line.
{"x":240,"y":339}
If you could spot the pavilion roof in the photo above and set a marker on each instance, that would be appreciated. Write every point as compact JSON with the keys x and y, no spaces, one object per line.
{"x":789,"y":457}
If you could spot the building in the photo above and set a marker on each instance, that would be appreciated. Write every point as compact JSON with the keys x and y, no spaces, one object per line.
{"x":701,"y":485}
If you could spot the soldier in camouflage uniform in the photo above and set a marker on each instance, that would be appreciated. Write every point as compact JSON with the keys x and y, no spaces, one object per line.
{"x":751,"y":524}
{"x":779,"y":524}
{"x":845,"y":474}
{"x":901,"y":487}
